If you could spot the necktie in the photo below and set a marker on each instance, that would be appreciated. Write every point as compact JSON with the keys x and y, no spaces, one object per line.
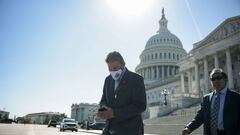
{"x":116,"y":85}
{"x":214,"y":115}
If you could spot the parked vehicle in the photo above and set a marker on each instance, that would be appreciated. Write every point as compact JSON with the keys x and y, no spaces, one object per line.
{"x":98,"y":125}
{"x":52,"y":123}
{"x":68,"y":124}
{"x":84,"y":124}
{"x":6,"y":121}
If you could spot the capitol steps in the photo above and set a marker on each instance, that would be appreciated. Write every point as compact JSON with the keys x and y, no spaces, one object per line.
{"x":173,"y":123}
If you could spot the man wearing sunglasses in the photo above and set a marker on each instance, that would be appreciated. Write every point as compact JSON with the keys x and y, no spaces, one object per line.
{"x":220,"y":109}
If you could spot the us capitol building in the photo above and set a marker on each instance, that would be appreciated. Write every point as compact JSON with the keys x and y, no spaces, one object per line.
{"x":176,"y":79}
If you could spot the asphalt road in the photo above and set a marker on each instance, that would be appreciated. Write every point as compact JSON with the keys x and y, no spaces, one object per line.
{"x":28,"y":129}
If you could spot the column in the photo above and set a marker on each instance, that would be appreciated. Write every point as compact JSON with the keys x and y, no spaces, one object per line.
{"x":182,"y":84}
{"x":168,"y":71}
{"x":206,"y":77}
{"x":147,"y":75}
{"x":197,"y":80}
{"x":152,"y":73}
{"x":157,"y":68}
{"x":216,"y":63}
{"x":163,"y":73}
{"x":189,"y":81}
{"x":173,"y":70}
{"x":229,"y":69}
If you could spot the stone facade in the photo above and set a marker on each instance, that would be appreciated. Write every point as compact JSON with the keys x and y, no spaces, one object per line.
{"x":84,"y":111}
{"x":4,"y":114}
{"x":221,"y":48}
{"x":40,"y":118}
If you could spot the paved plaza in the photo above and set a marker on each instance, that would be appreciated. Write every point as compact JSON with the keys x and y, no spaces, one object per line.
{"x":30,"y":129}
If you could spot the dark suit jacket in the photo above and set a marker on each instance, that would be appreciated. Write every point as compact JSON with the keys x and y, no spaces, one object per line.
{"x":231,"y":114}
{"x":129,"y":103}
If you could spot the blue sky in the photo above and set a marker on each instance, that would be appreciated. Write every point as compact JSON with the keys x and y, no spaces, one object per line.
{"x":52,"y":51}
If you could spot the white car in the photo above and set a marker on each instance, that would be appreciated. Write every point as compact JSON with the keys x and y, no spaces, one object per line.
{"x":68,"y":124}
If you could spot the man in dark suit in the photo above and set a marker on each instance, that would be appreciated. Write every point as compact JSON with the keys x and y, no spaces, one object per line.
{"x":124,"y":98}
{"x":220,"y":110}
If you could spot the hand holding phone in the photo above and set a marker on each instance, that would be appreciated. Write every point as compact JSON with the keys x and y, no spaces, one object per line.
{"x":102,"y":109}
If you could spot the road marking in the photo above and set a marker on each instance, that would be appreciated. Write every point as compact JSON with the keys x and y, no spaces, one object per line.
{"x":30,"y":130}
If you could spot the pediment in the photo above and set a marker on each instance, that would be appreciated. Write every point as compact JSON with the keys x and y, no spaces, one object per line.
{"x":228,"y":28}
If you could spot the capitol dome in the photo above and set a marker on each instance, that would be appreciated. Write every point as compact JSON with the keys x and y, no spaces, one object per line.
{"x":163,"y":39}
{"x":162,"y":52}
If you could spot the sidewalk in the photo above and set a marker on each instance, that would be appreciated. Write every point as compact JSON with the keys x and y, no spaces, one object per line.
{"x":98,"y":132}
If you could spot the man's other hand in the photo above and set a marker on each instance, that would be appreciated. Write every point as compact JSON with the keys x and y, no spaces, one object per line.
{"x":185,"y":131}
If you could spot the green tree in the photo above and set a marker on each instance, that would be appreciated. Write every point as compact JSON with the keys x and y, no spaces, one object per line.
{"x":27,"y":120}
{"x":5,"y":117}
{"x":55,"y":117}
{"x":62,"y":116}
{"x":47,"y":119}
{"x":59,"y":117}
{"x":0,"y":116}
{"x":20,"y":119}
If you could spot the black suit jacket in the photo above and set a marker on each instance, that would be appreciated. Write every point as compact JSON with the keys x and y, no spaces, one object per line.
{"x":231,"y":114}
{"x":128,"y":101}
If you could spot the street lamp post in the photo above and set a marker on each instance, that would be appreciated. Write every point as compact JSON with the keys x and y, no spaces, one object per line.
{"x":165,"y":92}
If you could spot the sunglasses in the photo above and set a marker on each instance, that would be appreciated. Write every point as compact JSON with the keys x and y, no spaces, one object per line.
{"x":217,"y":78}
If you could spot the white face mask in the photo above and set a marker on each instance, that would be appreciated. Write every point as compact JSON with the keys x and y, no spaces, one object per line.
{"x":116,"y":74}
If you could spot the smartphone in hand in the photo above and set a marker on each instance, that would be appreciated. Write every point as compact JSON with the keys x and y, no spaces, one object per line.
{"x":102,"y":109}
